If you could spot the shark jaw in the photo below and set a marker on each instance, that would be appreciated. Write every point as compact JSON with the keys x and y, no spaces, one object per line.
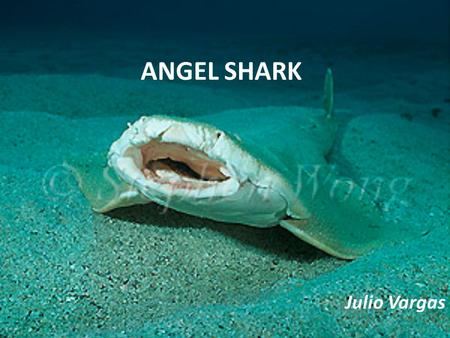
{"x":199,"y":170}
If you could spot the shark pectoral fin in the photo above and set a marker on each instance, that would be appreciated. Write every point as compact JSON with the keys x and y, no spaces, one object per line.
{"x":345,"y":220}
{"x":304,"y":229}
{"x":101,"y":186}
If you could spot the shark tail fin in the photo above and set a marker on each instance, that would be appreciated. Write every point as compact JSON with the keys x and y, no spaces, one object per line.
{"x":328,"y":98}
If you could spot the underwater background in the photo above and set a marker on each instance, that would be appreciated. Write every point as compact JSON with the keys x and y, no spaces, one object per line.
{"x":70,"y":83}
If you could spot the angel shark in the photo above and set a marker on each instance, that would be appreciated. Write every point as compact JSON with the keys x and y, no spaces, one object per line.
{"x":261,"y":167}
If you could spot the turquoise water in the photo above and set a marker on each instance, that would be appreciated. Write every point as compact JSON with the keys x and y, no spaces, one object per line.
{"x":147,"y":271}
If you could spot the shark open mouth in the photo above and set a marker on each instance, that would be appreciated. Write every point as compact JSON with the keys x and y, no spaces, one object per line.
{"x":180,"y":165}
{"x":197,"y":169}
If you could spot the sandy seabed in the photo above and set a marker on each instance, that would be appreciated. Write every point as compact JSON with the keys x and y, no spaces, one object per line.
{"x":144,"y":271}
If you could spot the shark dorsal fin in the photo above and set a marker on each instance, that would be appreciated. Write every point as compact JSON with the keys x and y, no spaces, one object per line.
{"x":328,"y":97}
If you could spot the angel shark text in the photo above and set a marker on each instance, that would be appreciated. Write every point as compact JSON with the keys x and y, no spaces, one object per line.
{"x":205,"y":71}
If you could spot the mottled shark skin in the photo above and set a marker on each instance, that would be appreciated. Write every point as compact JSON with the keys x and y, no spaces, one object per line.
{"x":261,"y":167}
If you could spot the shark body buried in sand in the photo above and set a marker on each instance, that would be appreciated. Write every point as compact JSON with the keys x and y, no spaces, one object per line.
{"x":261,"y":167}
